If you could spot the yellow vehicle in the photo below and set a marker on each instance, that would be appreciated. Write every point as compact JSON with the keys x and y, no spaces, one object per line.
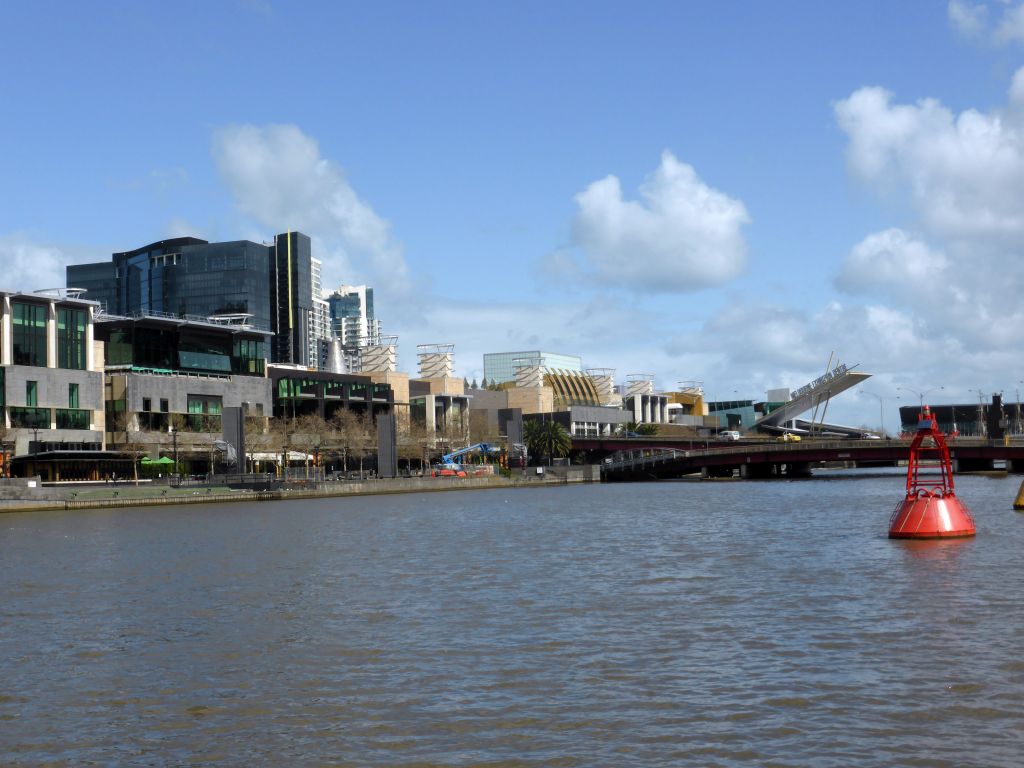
{"x":788,"y":437}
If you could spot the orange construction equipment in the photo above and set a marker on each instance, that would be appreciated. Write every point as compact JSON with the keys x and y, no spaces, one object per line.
{"x":931,"y":509}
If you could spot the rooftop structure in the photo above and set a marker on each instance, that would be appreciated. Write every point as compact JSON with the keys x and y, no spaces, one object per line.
{"x":500,"y":367}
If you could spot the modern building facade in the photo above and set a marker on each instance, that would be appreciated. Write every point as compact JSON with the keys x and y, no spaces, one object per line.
{"x":298,"y":393}
{"x":500,"y":367}
{"x":51,"y":383}
{"x":353,"y":320}
{"x":320,"y":333}
{"x":169,"y":380}
{"x":270,"y":285}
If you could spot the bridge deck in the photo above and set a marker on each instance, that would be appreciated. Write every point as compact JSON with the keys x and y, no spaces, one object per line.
{"x":675,"y":458}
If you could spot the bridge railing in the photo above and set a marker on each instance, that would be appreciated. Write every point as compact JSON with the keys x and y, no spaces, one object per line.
{"x":656,"y":454}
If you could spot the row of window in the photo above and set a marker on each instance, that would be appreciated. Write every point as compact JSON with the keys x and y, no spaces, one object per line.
{"x":40,"y":418}
{"x":28,"y":335}
{"x":32,"y":394}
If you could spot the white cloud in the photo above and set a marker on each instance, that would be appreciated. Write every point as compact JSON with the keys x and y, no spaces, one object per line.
{"x":998,"y":23}
{"x":964,"y":174}
{"x":892,"y":261}
{"x":969,"y":19}
{"x":952,"y":289}
{"x":29,"y":266}
{"x":1011,"y":26}
{"x":682,"y":235}
{"x":278,"y":178}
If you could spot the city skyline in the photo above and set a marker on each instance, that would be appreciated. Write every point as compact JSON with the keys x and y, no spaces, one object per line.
{"x":723,"y":194}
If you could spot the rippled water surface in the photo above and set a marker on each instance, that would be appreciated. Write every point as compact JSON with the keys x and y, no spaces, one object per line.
{"x":716,"y":623}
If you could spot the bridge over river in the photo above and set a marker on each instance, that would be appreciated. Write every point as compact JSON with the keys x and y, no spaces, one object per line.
{"x":663,"y":458}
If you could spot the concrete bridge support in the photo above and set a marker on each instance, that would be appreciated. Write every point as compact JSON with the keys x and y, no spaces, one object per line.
{"x":795,"y":469}
{"x":718,"y":471}
{"x":756,"y":471}
{"x":973,"y":465}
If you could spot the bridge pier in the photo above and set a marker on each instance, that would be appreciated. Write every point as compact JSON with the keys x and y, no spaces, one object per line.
{"x":796,"y":469}
{"x":756,"y":471}
{"x":973,"y":465}
{"x":716,"y":471}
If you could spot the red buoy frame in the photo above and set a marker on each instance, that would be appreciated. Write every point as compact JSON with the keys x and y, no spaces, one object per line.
{"x":931,"y":509}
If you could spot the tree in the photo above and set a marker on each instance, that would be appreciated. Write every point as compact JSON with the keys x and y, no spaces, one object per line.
{"x":365,"y":438}
{"x":546,"y":438}
{"x":647,"y":429}
{"x":123,"y":423}
{"x":344,"y":426}
{"x":310,"y":434}
{"x":473,"y":385}
{"x":279,"y":439}
{"x":421,"y":441}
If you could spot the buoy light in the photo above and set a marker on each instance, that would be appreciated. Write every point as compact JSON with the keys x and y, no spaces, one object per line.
{"x":930,"y":509}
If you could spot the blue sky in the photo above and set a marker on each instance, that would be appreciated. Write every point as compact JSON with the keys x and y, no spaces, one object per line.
{"x":722,"y":192}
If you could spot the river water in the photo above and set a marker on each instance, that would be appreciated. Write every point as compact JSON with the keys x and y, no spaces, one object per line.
{"x":676,"y":623}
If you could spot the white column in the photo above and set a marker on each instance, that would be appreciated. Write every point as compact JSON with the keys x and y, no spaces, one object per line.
{"x":6,"y":338}
{"x":51,"y":336}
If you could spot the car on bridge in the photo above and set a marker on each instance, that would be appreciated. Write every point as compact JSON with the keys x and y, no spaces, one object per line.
{"x":788,"y":437}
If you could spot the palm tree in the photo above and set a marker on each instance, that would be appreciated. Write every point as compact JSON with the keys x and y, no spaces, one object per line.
{"x":547,"y":438}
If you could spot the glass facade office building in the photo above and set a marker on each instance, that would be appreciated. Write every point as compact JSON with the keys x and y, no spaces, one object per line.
{"x":188,"y":276}
{"x":500,"y":367}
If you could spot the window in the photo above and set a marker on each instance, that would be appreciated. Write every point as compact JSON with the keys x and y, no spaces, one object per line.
{"x":72,"y":418}
{"x":165,"y":406}
{"x":203,"y":413}
{"x":72,"y":395}
{"x":29,"y":332}
{"x":31,"y":393}
{"x":147,"y":404}
{"x":71,"y":338}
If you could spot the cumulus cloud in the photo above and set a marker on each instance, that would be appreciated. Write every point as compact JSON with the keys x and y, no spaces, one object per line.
{"x":29,"y":266}
{"x":892,"y":260}
{"x":279,"y":179}
{"x":964,"y":174}
{"x":952,"y":274}
{"x":681,"y":235}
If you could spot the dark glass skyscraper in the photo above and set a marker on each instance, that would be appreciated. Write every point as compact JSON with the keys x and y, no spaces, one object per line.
{"x":188,"y":276}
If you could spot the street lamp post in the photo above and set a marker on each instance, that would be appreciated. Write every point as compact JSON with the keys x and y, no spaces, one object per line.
{"x":920,"y":395}
{"x":982,"y":430}
{"x":1017,"y":429}
{"x":881,"y":407}
{"x":174,"y":440}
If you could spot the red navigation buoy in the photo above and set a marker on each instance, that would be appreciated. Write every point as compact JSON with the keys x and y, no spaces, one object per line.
{"x":931,"y":509}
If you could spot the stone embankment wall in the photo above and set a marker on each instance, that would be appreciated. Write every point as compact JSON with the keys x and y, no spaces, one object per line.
{"x":20,"y":496}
